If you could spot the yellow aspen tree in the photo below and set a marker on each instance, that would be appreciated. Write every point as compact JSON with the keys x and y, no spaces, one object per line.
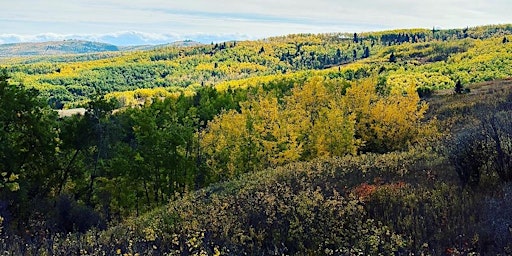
{"x":396,"y":119}
{"x":334,"y":132}
{"x":223,"y":144}
{"x":277,"y":132}
{"x":389,"y":122}
{"x":358,"y":100}
{"x":328,"y":127}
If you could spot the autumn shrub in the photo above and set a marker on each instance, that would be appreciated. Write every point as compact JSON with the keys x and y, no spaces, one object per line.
{"x":73,"y":217}
{"x":446,"y":219}
{"x":495,"y":222}
{"x":299,"y":208}
{"x":485,"y":149}
{"x":370,"y":204}
{"x":469,"y":153}
{"x":429,"y":219}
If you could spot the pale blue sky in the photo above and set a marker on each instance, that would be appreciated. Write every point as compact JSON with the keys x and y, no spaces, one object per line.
{"x":126,"y":22}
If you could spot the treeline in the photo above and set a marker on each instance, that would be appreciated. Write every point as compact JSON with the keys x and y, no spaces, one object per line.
{"x":427,"y":66}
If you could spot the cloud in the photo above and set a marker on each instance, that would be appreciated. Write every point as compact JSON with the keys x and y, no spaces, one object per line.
{"x":124,"y":38}
{"x":163,"y":20}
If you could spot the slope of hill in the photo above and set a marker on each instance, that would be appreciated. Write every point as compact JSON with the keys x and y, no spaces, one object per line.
{"x":54,"y":48}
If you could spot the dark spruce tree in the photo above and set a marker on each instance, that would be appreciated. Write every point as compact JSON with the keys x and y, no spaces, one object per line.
{"x":458,"y":87}
{"x":392,"y":57}
{"x":366,"y":53}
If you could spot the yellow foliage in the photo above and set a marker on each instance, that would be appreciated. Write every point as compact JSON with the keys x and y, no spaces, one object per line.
{"x":334,"y":132}
{"x":315,"y":120}
{"x":311,"y":122}
{"x":277,"y":130}
{"x":224,"y":143}
{"x":386,"y":122}
{"x":330,"y":128}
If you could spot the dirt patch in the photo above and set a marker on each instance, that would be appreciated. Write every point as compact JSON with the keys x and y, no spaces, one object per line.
{"x":71,"y":112}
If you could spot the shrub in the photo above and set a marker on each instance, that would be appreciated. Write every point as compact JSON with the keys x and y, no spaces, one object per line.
{"x":469,"y":153}
{"x":73,"y":217}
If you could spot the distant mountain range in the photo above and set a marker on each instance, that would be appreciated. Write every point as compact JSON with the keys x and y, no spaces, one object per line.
{"x":73,"y":47}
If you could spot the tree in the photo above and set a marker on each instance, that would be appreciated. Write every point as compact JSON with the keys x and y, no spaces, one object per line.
{"x":497,"y":128}
{"x":310,"y":122}
{"x":28,"y":149}
{"x":28,"y":139}
{"x":338,"y":55}
{"x":224,"y":143}
{"x":392,"y":57}
{"x":484,"y":149}
{"x":366,"y":52}
{"x":458,"y":87}
{"x":386,"y":122}
{"x":327,"y":128}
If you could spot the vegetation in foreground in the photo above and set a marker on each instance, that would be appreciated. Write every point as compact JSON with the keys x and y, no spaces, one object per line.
{"x":316,"y":163}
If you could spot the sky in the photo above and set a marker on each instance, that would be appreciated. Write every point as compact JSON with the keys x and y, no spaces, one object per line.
{"x":130,"y":22}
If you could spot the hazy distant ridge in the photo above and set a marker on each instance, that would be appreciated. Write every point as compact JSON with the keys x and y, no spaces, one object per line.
{"x":54,"y":48}
{"x":72,"y":47}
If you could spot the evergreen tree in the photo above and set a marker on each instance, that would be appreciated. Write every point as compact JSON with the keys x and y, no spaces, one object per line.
{"x":392,"y":57}
{"x":366,"y":52}
{"x":458,"y":87}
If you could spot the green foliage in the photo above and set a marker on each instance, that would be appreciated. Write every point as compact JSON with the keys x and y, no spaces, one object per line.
{"x":73,"y":81}
{"x":10,"y":182}
{"x":28,"y":140}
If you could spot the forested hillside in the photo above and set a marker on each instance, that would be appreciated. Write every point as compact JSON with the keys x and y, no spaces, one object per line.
{"x":428,"y":58}
{"x":394,"y":142}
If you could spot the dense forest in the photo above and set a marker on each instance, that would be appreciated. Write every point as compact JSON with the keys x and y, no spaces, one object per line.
{"x":394,"y":142}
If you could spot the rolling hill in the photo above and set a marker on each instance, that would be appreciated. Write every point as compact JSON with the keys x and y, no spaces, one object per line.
{"x":75,"y":47}
{"x":54,"y":48}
